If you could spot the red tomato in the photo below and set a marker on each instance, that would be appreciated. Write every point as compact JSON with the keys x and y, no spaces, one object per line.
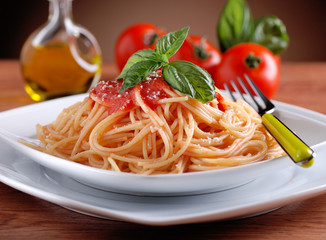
{"x":134,"y":38}
{"x":195,"y":49}
{"x":200,"y":51}
{"x":278,"y":60}
{"x":252,"y":59}
{"x":186,"y":52}
{"x":207,"y":54}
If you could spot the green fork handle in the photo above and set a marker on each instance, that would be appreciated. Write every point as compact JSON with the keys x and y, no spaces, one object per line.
{"x":297,"y":150}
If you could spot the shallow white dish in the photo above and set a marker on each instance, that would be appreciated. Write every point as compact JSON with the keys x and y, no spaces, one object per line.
{"x":22,"y":121}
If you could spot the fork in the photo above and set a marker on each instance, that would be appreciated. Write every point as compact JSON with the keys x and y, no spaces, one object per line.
{"x":296,"y":149}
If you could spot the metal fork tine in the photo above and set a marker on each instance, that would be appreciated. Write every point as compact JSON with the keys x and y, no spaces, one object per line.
{"x":246,"y":89}
{"x":230,"y":92}
{"x":238,"y":91}
{"x":268,"y":104}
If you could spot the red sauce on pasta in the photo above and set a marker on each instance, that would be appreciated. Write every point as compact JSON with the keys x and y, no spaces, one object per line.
{"x":151,"y":90}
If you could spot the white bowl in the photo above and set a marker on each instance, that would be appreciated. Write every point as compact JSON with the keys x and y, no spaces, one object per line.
{"x":22,"y":121}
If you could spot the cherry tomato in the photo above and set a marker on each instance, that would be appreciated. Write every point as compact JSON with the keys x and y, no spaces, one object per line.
{"x":200,"y":51}
{"x":259,"y":63}
{"x":134,"y":38}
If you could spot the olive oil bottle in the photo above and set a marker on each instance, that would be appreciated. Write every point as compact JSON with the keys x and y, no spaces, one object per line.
{"x":60,"y":58}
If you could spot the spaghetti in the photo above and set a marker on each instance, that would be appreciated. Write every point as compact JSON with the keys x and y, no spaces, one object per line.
{"x":156,"y":130}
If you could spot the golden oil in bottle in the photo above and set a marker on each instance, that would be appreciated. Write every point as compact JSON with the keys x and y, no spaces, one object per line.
{"x":52,"y":71}
{"x":60,"y":58}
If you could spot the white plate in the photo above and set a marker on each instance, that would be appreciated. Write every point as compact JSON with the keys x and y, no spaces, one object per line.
{"x":22,"y":121}
{"x":259,"y":196}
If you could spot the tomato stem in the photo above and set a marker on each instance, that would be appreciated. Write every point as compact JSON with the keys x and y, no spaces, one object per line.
{"x":252,"y":61}
{"x":200,"y":50}
{"x":150,"y":39}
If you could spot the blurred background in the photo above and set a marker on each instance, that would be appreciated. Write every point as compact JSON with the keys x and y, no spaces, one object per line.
{"x":106,"y":19}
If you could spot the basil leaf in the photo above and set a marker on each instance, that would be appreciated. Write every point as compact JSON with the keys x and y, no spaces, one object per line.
{"x":270,"y":32}
{"x":190,"y":79}
{"x":170,"y":43}
{"x":139,"y":56}
{"x":235,"y":24}
{"x":138,"y":72}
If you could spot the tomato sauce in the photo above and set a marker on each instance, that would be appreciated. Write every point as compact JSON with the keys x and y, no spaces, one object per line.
{"x":107,"y":94}
{"x":151,"y":90}
{"x":219,"y":98}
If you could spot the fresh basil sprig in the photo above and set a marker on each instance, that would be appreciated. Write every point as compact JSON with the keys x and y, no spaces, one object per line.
{"x":140,"y":56}
{"x":191,"y":79}
{"x":183,"y":76}
{"x":170,"y":43}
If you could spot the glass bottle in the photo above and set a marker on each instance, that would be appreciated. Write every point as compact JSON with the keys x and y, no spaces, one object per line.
{"x":60,"y":58}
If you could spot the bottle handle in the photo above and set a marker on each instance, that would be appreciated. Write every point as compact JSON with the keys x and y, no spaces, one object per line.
{"x":75,"y":32}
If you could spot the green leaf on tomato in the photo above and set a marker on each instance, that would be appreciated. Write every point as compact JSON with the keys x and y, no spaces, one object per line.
{"x":271,"y":32}
{"x":190,"y":79}
{"x":170,"y":43}
{"x":235,"y":24}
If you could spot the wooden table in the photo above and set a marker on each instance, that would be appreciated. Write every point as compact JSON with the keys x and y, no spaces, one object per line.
{"x":25,"y":217}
